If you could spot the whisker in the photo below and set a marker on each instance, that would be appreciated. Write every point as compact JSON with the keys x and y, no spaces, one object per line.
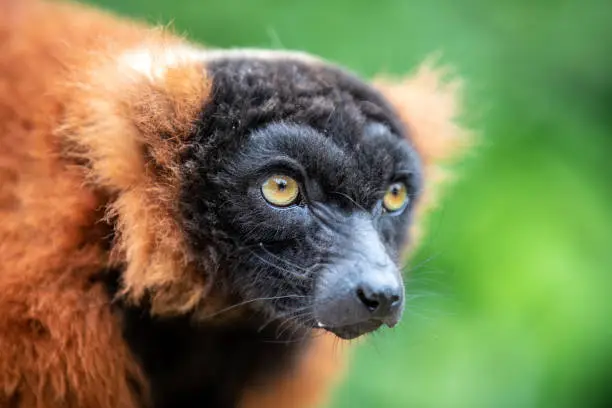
{"x":287,"y":322}
{"x":280,"y":316}
{"x":246,"y":302}
{"x":293,"y":274}
{"x":307,"y":270}
{"x":424,"y":262}
{"x":362,"y":208}
{"x":309,"y":335}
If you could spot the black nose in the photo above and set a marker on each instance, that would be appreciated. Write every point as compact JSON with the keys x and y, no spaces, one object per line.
{"x":350,"y":306}
{"x":379,"y":300}
{"x":362,"y":290}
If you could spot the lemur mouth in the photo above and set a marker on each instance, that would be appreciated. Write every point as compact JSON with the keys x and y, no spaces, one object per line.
{"x":352,"y":331}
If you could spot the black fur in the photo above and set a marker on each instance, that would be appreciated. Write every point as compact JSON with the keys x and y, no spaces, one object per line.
{"x":344,"y":145}
{"x":192,"y":365}
{"x":203,"y":365}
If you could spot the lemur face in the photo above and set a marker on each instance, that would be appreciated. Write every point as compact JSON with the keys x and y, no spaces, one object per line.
{"x":302,"y":179}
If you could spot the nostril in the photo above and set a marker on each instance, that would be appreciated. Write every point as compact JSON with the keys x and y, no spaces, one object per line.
{"x":371,"y":304}
{"x":395,"y":299}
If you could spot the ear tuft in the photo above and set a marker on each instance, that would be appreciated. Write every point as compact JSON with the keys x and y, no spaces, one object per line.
{"x":128,"y":121}
{"x":429,"y":103}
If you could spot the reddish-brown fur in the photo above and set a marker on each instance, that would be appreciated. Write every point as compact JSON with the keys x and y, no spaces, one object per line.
{"x":79,"y":144}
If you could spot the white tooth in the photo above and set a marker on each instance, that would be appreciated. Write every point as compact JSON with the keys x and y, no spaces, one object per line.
{"x":319,"y":324}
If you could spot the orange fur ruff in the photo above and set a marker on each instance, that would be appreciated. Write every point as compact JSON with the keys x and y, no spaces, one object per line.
{"x":80,"y":143}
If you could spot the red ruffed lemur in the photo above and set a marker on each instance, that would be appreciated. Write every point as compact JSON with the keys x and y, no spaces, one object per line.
{"x":188,"y":227}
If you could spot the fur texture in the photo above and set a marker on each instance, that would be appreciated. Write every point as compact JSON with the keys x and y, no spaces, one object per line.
{"x":94,"y":112}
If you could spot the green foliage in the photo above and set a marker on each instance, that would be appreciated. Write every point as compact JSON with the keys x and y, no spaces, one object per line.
{"x":510,"y":304}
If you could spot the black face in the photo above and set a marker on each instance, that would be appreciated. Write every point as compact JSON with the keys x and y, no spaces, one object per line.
{"x":300,"y":179}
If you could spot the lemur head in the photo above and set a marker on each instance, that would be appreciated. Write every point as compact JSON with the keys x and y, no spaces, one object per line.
{"x":271,"y":184}
{"x":302,"y":178}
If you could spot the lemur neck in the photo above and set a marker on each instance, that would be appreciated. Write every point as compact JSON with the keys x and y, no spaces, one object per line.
{"x":199,"y":365}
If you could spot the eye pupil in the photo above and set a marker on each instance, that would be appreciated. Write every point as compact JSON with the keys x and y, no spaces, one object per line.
{"x":280,"y":190}
{"x":396,"y":197}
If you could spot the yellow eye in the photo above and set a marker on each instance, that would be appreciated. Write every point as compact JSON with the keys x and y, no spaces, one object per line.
{"x":280,"y":191}
{"x":396,"y":197}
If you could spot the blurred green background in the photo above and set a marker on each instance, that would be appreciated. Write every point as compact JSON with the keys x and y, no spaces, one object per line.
{"x":511,"y":289}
